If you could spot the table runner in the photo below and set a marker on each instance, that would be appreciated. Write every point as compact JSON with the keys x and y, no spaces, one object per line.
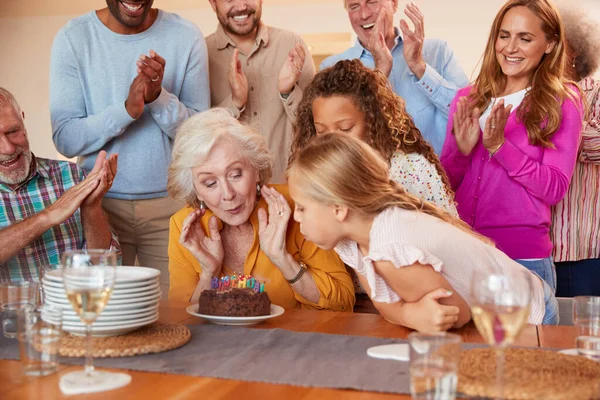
{"x":268,"y":355}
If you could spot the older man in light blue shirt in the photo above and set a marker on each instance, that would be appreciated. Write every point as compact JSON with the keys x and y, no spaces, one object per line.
{"x":424,"y":72}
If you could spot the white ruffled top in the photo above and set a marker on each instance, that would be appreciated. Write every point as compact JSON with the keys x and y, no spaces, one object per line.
{"x":405,"y":237}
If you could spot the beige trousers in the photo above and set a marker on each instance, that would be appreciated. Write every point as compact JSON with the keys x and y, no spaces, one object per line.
{"x":143,"y":230}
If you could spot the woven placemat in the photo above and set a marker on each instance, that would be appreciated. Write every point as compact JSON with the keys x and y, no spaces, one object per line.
{"x":529,"y":374}
{"x":153,"y":338}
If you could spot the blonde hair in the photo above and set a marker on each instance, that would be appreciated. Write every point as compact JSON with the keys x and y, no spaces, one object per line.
{"x":196,"y":138}
{"x":335,"y":168}
{"x":540,"y":110}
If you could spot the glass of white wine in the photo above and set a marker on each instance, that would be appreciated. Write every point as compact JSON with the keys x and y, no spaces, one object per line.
{"x":89,"y":277}
{"x":500,"y":307}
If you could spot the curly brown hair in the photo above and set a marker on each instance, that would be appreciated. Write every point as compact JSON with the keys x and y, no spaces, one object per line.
{"x":389,"y":126}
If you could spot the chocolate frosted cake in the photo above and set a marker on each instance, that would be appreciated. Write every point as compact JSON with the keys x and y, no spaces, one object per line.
{"x":235,"y":302}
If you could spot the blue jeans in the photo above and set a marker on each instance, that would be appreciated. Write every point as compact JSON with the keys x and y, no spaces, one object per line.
{"x":578,"y":278}
{"x":544,"y":268}
{"x":551,"y":316}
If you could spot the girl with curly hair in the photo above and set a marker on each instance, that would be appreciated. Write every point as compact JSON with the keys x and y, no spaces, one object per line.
{"x":509,"y":167}
{"x":350,"y":98}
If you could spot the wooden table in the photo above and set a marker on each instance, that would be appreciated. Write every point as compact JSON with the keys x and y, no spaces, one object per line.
{"x":150,"y":385}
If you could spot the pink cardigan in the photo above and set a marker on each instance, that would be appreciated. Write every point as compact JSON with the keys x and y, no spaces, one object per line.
{"x":507,"y":197}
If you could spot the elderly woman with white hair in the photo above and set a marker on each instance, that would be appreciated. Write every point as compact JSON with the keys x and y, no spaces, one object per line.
{"x":235,"y":223}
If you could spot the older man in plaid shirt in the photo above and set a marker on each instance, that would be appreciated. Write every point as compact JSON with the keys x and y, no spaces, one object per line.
{"x":46,"y":206}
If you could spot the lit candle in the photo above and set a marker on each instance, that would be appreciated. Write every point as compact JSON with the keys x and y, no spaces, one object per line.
{"x":242,"y":282}
{"x":214,"y":283}
{"x":251,"y":282}
{"x":226,"y":283}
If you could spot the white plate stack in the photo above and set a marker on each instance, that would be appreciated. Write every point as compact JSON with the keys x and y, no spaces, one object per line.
{"x":133,"y":303}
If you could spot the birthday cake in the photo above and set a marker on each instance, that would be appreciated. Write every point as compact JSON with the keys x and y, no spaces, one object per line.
{"x":235,"y":298}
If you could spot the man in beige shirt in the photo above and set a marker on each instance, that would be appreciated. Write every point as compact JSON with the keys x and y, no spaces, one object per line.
{"x":259,"y":73}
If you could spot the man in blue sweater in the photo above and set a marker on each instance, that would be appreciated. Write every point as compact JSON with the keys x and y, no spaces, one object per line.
{"x":122,"y":79}
{"x":424,"y":72}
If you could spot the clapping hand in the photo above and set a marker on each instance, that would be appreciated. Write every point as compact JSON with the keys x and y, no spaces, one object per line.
{"x":466,"y":126}
{"x":493,"y":131}
{"x":272,"y":228}
{"x":413,"y":40}
{"x":207,"y":250}
{"x":86,"y":193}
{"x":238,"y":81}
{"x":377,"y":46}
{"x":151,"y":69}
{"x":108,"y":170}
{"x":292,"y":69}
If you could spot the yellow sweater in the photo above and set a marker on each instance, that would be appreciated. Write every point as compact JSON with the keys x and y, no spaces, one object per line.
{"x":328,"y":271}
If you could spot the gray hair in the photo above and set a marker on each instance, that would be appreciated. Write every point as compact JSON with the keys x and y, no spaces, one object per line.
{"x":583,"y":39}
{"x":7,"y":98}
{"x":196,"y":138}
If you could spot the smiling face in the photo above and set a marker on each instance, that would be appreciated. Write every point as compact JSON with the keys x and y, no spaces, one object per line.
{"x":520,"y":45}
{"x":338,"y":114}
{"x":364,"y":13}
{"x":238,"y":17}
{"x":131,"y":14}
{"x":226,"y":182}
{"x":15,"y":156}
{"x":318,"y":222}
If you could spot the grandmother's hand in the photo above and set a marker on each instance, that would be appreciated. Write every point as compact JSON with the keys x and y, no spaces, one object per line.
{"x":207,"y":250}
{"x":272,"y":229}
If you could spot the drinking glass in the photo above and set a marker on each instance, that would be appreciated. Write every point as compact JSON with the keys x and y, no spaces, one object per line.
{"x":586,"y":318}
{"x":500,"y":307}
{"x":434,"y":360}
{"x":89,"y":277}
{"x":14,"y":296}
{"x":39,"y":333}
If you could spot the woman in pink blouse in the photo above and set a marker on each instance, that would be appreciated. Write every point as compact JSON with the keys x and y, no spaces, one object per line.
{"x":512,"y":137}
{"x":576,"y":219}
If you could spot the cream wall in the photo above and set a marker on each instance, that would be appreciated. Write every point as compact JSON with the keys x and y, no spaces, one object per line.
{"x":26,"y":35}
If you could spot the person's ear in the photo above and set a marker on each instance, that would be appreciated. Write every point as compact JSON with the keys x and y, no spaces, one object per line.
{"x":550,"y":47}
{"x":340,"y":212}
{"x":213,"y":5}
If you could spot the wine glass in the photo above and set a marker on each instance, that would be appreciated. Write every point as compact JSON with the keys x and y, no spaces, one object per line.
{"x":500,"y":308}
{"x":89,"y":277}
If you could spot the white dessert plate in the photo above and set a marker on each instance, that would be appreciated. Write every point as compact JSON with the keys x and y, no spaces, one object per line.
{"x":111,"y":307}
{"x":110,"y":324}
{"x":399,"y":352}
{"x":112,"y":301}
{"x":103,"y":318}
{"x":118,"y":313}
{"x":125,"y":274}
{"x":110,"y":331}
{"x":118,"y":286}
{"x":276,"y":311}
{"x":118,"y":292}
